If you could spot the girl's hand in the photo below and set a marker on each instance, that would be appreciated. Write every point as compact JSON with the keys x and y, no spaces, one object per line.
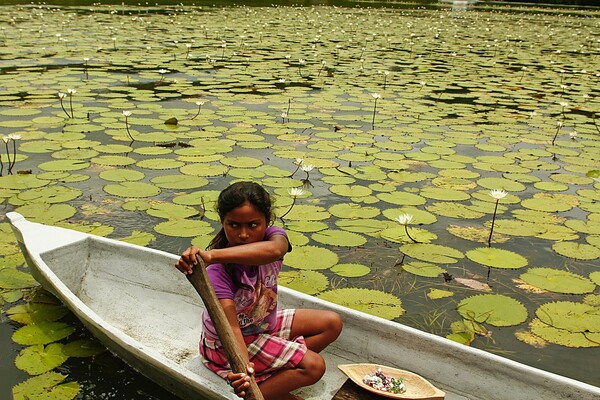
{"x":240,"y":382}
{"x":188,"y":260}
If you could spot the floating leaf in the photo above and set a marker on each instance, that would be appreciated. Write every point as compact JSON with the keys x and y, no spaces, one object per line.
{"x":42,"y":333}
{"x":35,"y":312}
{"x":435,"y":294}
{"x":578,"y":251}
{"x":350,"y":270}
{"x":496,"y":258}
{"x":37,"y":359}
{"x":493,"y":309}
{"x":432,"y":252}
{"x":184,"y":228}
{"x":139,"y":238}
{"x":15,"y":279}
{"x":425,"y":269}
{"x":311,"y":257}
{"x":132,"y":189}
{"x":309,"y":282}
{"x":562,"y":337}
{"x":475,"y":233}
{"x":571,"y":316}
{"x":558,"y":281}
{"x":46,"y":387}
{"x":374,"y":302}
{"x":339,"y":238}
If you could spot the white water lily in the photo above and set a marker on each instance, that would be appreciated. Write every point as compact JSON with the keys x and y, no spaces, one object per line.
{"x":405,"y":219}
{"x":307,"y":167}
{"x":5,"y":139}
{"x":295,"y":192}
{"x":573,"y":134}
{"x":127,"y":113}
{"x":199,"y":103}
{"x":14,"y":136}
{"x":62,"y":95}
{"x":376,"y":95}
{"x":498,"y":193}
{"x":299,"y":161}
{"x":71,"y":91}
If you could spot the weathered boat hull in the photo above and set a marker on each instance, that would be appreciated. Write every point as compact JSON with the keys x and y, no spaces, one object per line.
{"x":146,"y":312}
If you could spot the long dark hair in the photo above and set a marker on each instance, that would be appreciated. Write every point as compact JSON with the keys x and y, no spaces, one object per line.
{"x":233,"y":197}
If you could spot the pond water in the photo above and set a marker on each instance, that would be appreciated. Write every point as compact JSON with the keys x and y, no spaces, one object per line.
{"x":407,"y":110}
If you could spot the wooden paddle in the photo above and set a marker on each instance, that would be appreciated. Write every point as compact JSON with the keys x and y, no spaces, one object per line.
{"x":199,"y":279}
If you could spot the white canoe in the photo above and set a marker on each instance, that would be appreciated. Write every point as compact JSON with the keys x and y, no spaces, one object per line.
{"x":145,"y":311}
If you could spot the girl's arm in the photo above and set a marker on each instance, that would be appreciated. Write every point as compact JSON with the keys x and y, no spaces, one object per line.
{"x":256,"y":253}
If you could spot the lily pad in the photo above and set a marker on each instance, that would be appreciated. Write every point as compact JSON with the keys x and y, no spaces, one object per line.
{"x":425,"y":269}
{"x":47,"y":386}
{"x":493,"y":309}
{"x":309,"y":282}
{"x":558,"y":281}
{"x":432,"y":253}
{"x":578,"y":251}
{"x":374,"y":302}
{"x":42,"y":333}
{"x":37,"y":359}
{"x":311,"y":258}
{"x":496,"y":258}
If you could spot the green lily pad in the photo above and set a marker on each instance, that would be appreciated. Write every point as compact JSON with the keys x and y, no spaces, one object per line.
{"x":578,"y":251}
{"x":140,"y":238}
{"x":350,"y":270}
{"x":558,"y":281}
{"x":432,"y":253}
{"x":311,"y":258}
{"x":425,"y":269}
{"x":309,"y":282}
{"x":374,"y":302}
{"x":15,"y":279}
{"x":493,"y":309}
{"x":37,"y":359}
{"x":496,"y":258}
{"x":353,"y":210}
{"x":563,"y":337}
{"x":435,"y":294}
{"x":184,"y":228}
{"x":31,"y":313}
{"x":335,"y":237}
{"x":42,"y":333}
{"x":571,"y":316}
{"x":47,"y":386}
{"x":132,"y":189}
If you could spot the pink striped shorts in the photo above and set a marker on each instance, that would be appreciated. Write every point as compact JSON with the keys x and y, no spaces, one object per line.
{"x":268,"y":351}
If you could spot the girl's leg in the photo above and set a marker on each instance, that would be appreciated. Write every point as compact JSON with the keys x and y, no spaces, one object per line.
{"x":319,"y":327}
{"x":280,"y":384}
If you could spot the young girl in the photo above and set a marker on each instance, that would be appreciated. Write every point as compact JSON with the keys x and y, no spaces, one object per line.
{"x":243,"y":262}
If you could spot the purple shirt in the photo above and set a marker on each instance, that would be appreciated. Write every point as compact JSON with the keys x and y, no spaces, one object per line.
{"x":255,"y":305}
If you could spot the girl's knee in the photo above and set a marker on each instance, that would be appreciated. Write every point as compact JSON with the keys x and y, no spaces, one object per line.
{"x":313,"y":366}
{"x":334,"y":324}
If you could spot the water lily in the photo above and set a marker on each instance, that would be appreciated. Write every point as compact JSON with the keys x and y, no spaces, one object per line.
{"x":497,"y":194}
{"x":376,"y":96}
{"x":61,"y":97}
{"x":573,"y":135}
{"x":299,"y":162}
{"x":71,"y":93}
{"x":283,"y":116}
{"x":127,"y":113}
{"x":559,"y":124}
{"x":405,"y":219}
{"x":306,"y":168}
{"x":294,"y":192}
{"x":199,"y":104}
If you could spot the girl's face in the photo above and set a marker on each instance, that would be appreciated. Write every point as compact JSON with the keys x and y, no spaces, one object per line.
{"x":244,"y":224}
